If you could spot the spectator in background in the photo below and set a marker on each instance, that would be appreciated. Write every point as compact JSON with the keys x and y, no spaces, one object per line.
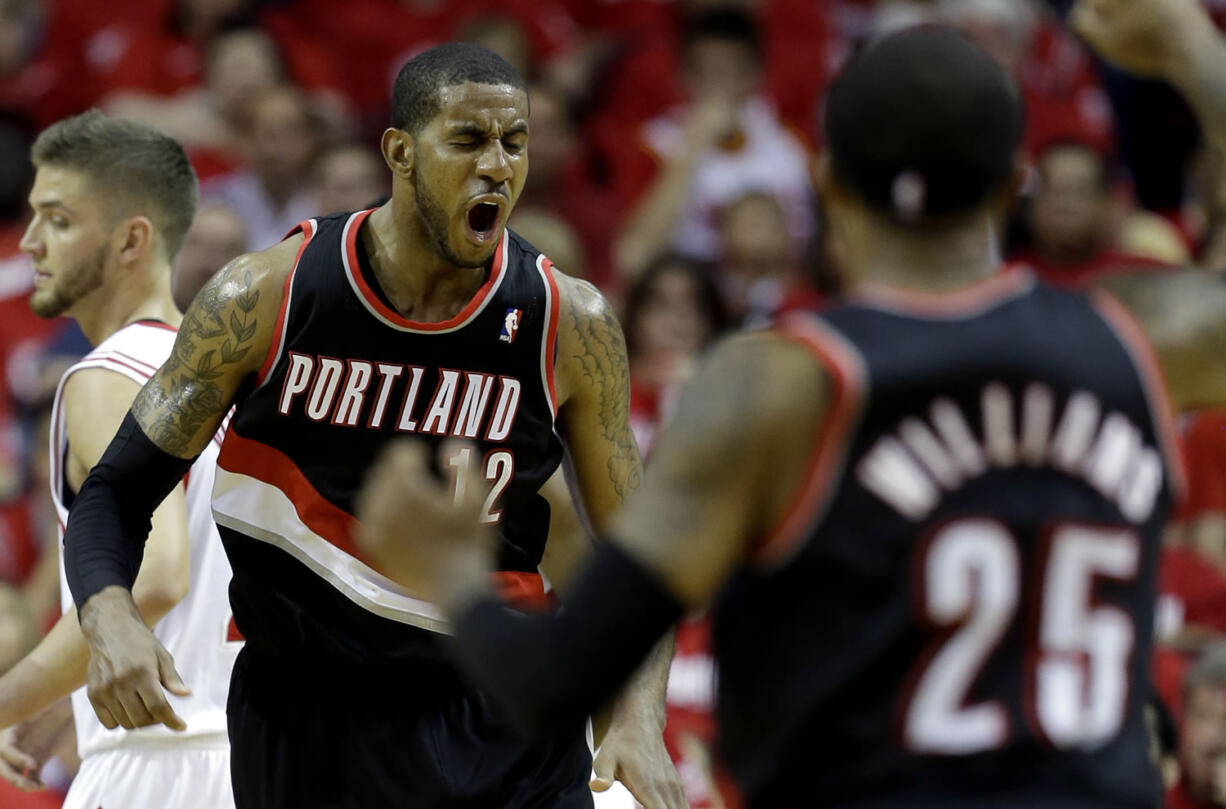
{"x":553,"y":236}
{"x":276,"y":191}
{"x":563,"y":182}
{"x":217,"y":235}
{"x":725,"y":141}
{"x":1202,"y":735}
{"x":210,"y":119}
{"x":1073,"y":217}
{"x":1204,"y":511}
{"x":672,"y":312}
{"x":349,"y":177}
{"x":42,"y":74}
{"x":759,"y":263}
{"x":1064,"y":98}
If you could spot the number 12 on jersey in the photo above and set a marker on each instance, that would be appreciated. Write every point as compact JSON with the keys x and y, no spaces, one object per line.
{"x":969,"y":592}
{"x":498,"y":467}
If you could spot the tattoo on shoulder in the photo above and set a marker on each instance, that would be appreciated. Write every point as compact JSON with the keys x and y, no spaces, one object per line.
{"x":599,"y":354}
{"x":217,"y":333}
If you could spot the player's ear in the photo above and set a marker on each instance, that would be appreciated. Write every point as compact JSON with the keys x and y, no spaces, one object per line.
{"x":397,"y":146}
{"x":135,"y":239}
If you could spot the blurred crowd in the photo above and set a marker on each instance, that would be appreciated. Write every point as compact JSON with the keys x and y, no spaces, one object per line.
{"x":673,"y":145}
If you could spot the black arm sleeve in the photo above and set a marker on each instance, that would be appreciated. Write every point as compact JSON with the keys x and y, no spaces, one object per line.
{"x":550,"y":670}
{"x":110,"y":518}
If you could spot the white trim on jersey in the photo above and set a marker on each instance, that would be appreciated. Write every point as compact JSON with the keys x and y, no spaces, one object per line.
{"x":549,"y":304}
{"x":285,"y":307}
{"x":262,"y":511}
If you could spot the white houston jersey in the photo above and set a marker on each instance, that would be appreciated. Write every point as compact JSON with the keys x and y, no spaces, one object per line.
{"x":199,"y":630}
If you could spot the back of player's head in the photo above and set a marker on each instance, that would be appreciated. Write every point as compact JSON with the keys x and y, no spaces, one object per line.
{"x":415,"y":97}
{"x":923,"y":126}
{"x":133,"y":168}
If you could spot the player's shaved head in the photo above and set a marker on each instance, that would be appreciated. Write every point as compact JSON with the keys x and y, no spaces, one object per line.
{"x":416,"y":96}
{"x":923,"y":125}
{"x":133,"y":168}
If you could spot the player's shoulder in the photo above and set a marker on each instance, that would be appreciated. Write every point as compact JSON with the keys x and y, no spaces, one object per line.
{"x":253,"y":280}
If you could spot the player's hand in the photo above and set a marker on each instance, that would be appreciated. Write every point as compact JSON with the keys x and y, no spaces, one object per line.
{"x":1145,"y":37}
{"x":633,"y":752}
{"x":17,"y":766}
{"x":128,"y":666}
{"x":26,"y":747}
{"x":422,"y":532}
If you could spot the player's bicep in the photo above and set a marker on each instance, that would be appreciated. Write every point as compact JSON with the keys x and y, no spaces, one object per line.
{"x":725,"y":467}
{"x":1183,"y":314}
{"x":224,"y":337}
{"x":595,"y":416}
{"x":95,"y":401}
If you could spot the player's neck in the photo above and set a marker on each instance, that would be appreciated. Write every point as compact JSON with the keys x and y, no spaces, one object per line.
{"x":923,"y":259}
{"x":421,"y":284}
{"x":145,"y":296}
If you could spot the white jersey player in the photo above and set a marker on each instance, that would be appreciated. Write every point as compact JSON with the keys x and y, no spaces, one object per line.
{"x":112,"y":201}
{"x":155,"y":766}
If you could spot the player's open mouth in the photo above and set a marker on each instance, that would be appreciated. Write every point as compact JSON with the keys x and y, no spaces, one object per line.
{"x":482,"y":220}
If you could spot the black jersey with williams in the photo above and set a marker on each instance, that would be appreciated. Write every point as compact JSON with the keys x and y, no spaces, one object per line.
{"x":345,"y":375}
{"x":957,"y":611}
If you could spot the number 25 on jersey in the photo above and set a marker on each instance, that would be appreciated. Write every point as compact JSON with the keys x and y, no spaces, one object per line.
{"x":1076,"y":680}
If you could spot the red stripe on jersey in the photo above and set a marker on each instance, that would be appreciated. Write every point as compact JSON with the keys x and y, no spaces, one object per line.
{"x":816,"y":487}
{"x":1149,"y":369}
{"x":524,"y":590}
{"x":135,"y":361}
{"x":157,"y":324}
{"x":102,"y":362}
{"x":964,"y":300}
{"x":355,"y":273}
{"x":244,"y":456}
{"x":551,"y":334}
{"x":278,"y":339}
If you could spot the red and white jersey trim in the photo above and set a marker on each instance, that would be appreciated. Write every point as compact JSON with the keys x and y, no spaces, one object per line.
{"x":262,"y":511}
{"x":549,"y":342}
{"x":391,"y":319}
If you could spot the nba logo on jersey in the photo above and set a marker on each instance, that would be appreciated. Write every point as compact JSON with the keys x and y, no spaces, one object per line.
{"x":510,"y":325}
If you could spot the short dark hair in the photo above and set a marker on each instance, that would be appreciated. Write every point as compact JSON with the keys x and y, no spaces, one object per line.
{"x":727,"y":24}
{"x":415,"y":97}
{"x":923,"y":125}
{"x":133,"y":164}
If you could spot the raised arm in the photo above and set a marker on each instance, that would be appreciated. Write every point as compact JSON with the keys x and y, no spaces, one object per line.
{"x":222,"y":341}
{"x":1173,"y":40}
{"x":724,"y":471}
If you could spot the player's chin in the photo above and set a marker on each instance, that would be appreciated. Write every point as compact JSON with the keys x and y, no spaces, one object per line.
{"x":474,"y":252}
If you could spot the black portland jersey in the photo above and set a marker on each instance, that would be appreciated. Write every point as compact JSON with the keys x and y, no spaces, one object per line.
{"x":957,"y":611}
{"x":345,"y":375}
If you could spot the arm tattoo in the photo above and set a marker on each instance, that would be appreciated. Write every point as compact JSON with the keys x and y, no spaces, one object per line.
{"x":600,"y":355}
{"x":217,"y":333}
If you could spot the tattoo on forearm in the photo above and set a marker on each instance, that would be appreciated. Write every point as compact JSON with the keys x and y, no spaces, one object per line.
{"x":600,"y":352}
{"x":217,"y":331}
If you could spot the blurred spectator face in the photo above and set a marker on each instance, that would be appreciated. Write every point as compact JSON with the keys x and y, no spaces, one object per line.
{"x":242,"y":64}
{"x":350,"y":178}
{"x":217,"y":236}
{"x":670,"y":319}
{"x":504,"y":37}
{"x":1071,"y":211}
{"x":1202,"y":743}
{"x":552,"y":135}
{"x":721,"y":68}
{"x":756,"y":243}
{"x":18,"y":26}
{"x":1003,"y":28}
{"x":283,"y":137}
